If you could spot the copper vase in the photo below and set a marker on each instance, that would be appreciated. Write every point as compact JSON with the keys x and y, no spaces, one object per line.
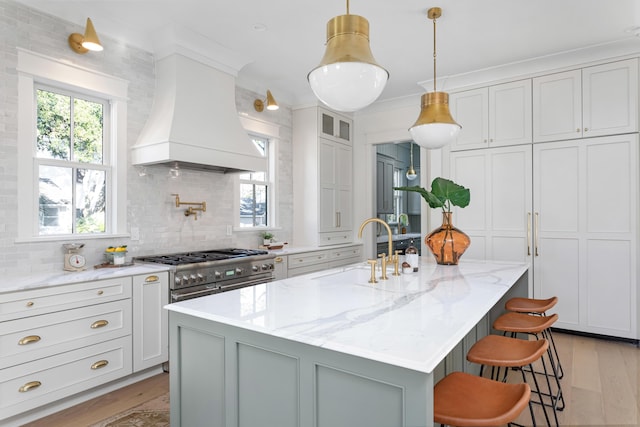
{"x":446,"y":242}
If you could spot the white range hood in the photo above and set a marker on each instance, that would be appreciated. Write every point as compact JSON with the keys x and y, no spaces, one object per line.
{"x":194,"y":122}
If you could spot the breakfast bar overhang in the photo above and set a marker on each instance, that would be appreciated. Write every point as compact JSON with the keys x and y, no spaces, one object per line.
{"x":330,"y":349}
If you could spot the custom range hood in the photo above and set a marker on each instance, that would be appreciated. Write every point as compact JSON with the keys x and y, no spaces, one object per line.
{"x":194,"y":122}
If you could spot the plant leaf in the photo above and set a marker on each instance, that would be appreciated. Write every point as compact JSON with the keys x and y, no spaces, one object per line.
{"x":430,"y":198}
{"x":445,"y":189}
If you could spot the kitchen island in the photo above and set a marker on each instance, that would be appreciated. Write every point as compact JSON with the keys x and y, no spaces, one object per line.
{"x":329,"y":349}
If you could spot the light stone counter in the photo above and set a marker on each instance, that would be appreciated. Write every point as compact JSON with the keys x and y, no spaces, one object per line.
{"x":320,"y":339}
{"x":13,"y":284}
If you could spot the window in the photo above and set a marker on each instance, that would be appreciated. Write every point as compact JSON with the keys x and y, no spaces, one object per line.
{"x":255,"y":191}
{"x":71,"y":165}
{"x":72,"y":140}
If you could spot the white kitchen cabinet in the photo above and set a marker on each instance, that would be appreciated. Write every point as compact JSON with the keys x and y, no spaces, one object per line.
{"x":312,"y":261}
{"x":497,"y":217}
{"x":384,"y":184}
{"x":61,"y":340}
{"x":586,"y":232}
{"x":593,"y":101}
{"x":334,"y":126}
{"x":150,"y":320}
{"x":280,"y":267}
{"x":493,"y":116}
{"x":323,"y":179}
{"x":570,"y":209}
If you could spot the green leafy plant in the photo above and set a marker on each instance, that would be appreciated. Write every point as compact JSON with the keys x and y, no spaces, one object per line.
{"x":444,"y":194}
{"x":266,"y":235}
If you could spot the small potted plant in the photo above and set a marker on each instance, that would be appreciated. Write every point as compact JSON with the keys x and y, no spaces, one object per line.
{"x":446,"y":242}
{"x":267,"y":237}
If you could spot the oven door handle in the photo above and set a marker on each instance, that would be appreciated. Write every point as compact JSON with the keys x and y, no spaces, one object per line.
{"x":175,"y":297}
{"x":246,"y":283}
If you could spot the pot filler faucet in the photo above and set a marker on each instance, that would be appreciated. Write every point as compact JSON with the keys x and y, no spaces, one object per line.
{"x":393,"y":258}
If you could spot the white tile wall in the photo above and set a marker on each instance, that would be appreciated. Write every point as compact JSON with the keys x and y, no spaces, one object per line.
{"x":162,"y":227}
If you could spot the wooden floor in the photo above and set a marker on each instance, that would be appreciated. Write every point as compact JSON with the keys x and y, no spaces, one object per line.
{"x":601,"y":388}
{"x":103,"y":407}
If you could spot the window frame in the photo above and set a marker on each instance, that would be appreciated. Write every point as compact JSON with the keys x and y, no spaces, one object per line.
{"x":271,"y":132}
{"x":37,"y":70}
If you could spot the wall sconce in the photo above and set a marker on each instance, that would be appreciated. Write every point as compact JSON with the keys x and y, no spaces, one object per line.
{"x":82,"y":44}
{"x":269,"y":102}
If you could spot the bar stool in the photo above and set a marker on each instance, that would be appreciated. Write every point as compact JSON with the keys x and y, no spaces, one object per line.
{"x":537,"y":307}
{"x":515,"y":323}
{"x":466,"y":400}
{"x":504,"y":352}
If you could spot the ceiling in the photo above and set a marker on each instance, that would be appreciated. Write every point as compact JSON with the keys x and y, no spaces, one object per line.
{"x":282,"y":40}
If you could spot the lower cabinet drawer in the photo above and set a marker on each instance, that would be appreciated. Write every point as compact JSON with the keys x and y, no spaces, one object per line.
{"x":43,"y":381}
{"x":32,"y":338}
{"x":334,"y":238}
{"x":307,"y":258}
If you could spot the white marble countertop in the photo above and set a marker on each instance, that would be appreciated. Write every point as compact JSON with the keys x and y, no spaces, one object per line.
{"x":412,"y":320}
{"x":14,"y":284}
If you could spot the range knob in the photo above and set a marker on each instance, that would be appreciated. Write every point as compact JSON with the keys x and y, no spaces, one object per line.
{"x":255,"y":268}
{"x":193,"y":279}
{"x":239,"y":271}
{"x":217,"y":274}
{"x":184,"y":280}
{"x":200,"y":278}
{"x":267,"y":266}
{"x":177,"y":281}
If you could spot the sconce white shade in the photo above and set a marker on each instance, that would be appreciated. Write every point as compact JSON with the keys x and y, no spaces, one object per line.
{"x":348,"y":77}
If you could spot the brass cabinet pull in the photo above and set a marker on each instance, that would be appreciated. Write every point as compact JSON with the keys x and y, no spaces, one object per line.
{"x":99,"y":324}
{"x":29,"y":386}
{"x":100,"y":292}
{"x":586,"y":129}
{"x":536,"y":233}
{"x":151,"y":279}
{"x":99,"y":364}
{"x":528,"y":233}
{"x":29,"y":339}
{"x":578,"y":130}
{"x":30,"y":304}
{"x":277,"y":259}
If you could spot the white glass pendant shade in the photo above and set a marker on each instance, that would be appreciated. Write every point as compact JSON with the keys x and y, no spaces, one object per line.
{"x":348,"y":86}
{"x":435,"y":127}
{"x":348,"y":77}
{"x":411,"y":174}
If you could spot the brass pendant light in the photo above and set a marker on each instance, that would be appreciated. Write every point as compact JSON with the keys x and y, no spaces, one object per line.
{"x":411,"y":173}
{"x":435,"y":127}
{"x":348,"y":77}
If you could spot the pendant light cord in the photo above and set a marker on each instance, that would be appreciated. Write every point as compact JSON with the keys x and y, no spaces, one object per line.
{"x":347,"y":7}
{"x":434,"y":54}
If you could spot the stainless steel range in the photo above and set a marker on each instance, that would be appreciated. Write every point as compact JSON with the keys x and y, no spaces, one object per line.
{"x":197,"y":274}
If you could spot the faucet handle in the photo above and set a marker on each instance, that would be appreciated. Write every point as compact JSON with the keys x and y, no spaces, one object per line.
{"x":383,"y":267}
{"x":396,"y":262}
{"x":373,"y":263}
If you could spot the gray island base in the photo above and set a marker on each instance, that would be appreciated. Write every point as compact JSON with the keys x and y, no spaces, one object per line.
{"x":330,"y":349}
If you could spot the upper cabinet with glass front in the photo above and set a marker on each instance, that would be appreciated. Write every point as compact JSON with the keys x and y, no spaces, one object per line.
{"x":594,"y":101}
{"x":334,"y":126}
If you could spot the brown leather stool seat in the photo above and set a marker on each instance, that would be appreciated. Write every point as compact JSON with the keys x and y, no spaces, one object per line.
{"x":538,"y":307}
{"x":531,"y":305}
{"x":465,"y":400}
{"x":505,"y":352}
{"x":537,"y":326}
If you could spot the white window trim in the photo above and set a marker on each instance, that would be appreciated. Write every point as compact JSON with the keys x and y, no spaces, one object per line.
{"x":36,"y":68}
{"x":271,"y":132}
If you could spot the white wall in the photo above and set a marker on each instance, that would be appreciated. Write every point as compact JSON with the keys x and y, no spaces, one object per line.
{"x":150,"y":208}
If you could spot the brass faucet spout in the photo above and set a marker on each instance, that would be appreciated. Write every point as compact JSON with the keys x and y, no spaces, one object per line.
{"x":391,"y":257}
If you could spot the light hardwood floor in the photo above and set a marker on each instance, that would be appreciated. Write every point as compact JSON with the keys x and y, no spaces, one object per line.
{"x":601,"y":388}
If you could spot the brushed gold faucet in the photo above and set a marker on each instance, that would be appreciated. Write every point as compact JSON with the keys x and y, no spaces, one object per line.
{"x":393,"y":258}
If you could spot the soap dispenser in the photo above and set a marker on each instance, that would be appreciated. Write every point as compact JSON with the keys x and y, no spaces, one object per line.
{"x":411,"y":256}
